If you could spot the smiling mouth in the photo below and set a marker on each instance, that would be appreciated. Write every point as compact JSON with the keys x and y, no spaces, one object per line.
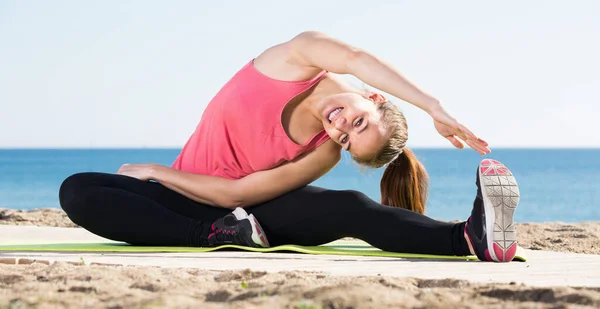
{"x":334,"y":113}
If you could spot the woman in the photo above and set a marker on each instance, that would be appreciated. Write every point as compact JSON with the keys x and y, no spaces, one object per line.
{"x":277,"y":125}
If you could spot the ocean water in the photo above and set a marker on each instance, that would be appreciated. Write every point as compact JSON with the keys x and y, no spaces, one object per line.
{"x":555,"y":184}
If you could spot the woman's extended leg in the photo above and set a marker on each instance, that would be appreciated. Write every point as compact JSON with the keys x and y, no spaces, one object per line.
{"x":313,"y":216}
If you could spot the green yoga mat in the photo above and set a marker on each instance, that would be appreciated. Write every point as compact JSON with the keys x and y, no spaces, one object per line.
{"x":339,"y":247}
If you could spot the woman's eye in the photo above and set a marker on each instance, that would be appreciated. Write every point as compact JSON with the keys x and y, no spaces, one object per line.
{"x":345,"y":139}
{"x":358,"y":123}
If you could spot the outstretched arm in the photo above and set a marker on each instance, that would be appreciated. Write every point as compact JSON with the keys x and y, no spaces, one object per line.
{"x":311,"y":52}
{"x":320,"y":50}
{"x":253,"y":189}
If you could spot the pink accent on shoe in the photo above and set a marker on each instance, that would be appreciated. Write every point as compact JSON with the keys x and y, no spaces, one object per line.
{"x":469,"y":241}
{"x":499,"y":252}
{"x":257,"y":229}
{"x":212,"y":227}
{"x":488,"y":257}
{"x":502,"y":170}
{"x":493,"y":168}
{"x":511,"y":252}
{"x":470,"y":244}
{"x":490,"y":172}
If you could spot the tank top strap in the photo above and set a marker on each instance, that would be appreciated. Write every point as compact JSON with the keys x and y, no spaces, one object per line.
{"x":318,"y":140}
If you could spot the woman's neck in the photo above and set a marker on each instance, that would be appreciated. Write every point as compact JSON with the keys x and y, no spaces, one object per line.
{"x":302,"y":120}
{"x":328,"y":86}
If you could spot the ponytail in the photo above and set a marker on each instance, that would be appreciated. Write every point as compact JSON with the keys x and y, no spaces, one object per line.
{"x":405,"y":183}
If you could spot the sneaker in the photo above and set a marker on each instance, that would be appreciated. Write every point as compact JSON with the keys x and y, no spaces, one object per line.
{"x":490,"y":230}
{"x":237,"y":228}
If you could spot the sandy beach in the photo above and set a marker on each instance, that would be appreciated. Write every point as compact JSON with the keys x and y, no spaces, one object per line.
{"x":65,"y":285}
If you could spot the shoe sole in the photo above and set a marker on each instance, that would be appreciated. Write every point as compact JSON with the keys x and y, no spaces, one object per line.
{"x":258,"y":235}
{"x":500,"y":199}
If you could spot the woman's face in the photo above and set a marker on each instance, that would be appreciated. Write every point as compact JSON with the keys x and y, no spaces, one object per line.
{"x":353,"y":122}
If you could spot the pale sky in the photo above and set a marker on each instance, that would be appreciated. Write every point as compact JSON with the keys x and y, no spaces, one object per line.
{"x":140,"y":73}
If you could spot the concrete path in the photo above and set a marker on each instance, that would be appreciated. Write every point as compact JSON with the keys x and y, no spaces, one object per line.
{"x":543,"y":268}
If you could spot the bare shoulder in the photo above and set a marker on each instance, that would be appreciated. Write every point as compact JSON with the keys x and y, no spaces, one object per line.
{"x":279,"y":61}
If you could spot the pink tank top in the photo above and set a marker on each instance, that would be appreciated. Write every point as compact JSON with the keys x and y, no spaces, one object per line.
{"x":240,"y":131}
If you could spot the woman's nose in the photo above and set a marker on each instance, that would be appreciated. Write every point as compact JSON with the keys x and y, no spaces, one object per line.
{"x":340,"y":123}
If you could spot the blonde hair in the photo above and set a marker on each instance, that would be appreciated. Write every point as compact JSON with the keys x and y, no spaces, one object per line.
{"x":404,"y":183}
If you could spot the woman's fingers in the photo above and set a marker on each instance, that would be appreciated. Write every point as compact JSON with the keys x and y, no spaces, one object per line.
{"x":470,"y":135}
{"x":479,"y":147}
{"x":472,"y":140}
{"x":123,"y":168}
{"x":476,"y":146}
{"x":466,"y":131}
{"x":456,"y":142}
{"x":459,"y":135}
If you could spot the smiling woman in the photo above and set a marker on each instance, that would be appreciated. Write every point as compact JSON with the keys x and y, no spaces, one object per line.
{"x":277,"y":125}
{"x":355,"y":123}
{"x":375,"y":132}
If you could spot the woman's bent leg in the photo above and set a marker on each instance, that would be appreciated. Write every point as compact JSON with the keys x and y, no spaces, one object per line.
{"x":313,"y":216}
{"x":126,"y":209}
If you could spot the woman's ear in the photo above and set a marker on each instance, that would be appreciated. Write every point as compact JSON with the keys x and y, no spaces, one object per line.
{"x":377,"y":98}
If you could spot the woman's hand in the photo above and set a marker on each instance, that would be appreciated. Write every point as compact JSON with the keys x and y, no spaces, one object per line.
{"x":142,"y":172}
{"x":455,"y":132}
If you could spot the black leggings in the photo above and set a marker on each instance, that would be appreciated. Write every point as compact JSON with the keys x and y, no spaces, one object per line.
{"x":126,"y":209}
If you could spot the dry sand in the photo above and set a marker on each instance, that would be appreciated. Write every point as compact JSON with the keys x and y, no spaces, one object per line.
{"x":63,"y":285}
{"x":41,"y":217}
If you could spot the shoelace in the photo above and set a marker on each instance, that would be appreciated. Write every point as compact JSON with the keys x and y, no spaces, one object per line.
{"x":221,"y":234}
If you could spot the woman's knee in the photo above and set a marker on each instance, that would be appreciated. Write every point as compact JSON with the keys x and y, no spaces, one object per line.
{"x":72,"y":188}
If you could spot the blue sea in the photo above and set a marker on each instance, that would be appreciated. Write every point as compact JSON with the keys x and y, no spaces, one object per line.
{"x":555,"y":184}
